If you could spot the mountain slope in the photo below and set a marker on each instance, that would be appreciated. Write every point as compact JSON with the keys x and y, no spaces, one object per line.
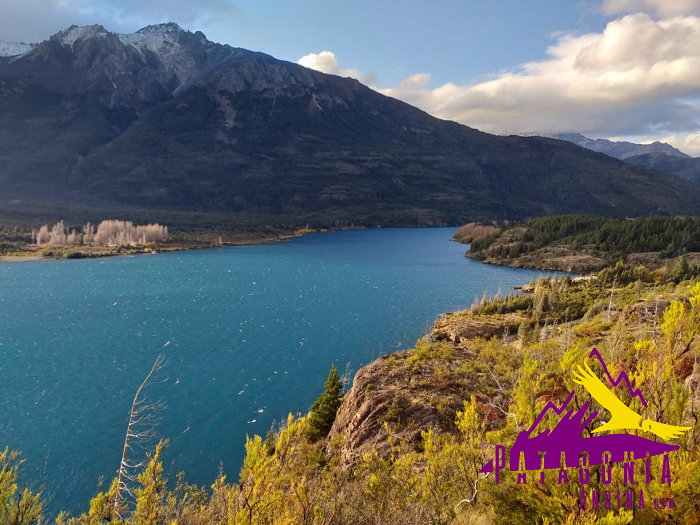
{"x":688,"y":168}
{"x":619,"y":150}
{"x":82,"y":88}
{"x":163,"y":119}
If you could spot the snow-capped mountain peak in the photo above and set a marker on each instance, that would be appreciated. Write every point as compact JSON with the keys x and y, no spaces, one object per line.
{"x":619,"y":150}
{"x":159,"y":38}
{"x":74,"y":33}
{"x":176,"y":49}
{"x":11,"y":49}
{"x":163,"y":57}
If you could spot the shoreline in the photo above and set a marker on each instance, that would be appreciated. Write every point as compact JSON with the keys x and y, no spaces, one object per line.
{"x":184,"y":246}
{"x":20,"y":258}
{"x":581,"y":264}
{"x":66,"y":254}
{"x":515,"y":265}
{"x":148,"y":250}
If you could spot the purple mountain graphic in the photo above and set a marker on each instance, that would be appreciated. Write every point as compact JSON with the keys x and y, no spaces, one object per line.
{"x":623,"y":375}
{"x":566,"y":438}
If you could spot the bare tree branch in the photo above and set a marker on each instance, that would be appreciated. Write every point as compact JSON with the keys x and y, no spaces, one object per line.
{"x":141,"y":413}
{"x":476,"y":491}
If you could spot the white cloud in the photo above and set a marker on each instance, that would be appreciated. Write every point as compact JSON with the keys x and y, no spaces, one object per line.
{"x":414,"y":81}
{"x":639,"y":76}
{"x":689,"y":143}
{"x":327,"y":62}
{"x":664,"y":8}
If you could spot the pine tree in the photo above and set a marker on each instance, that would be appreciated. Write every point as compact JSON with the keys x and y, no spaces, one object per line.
{"x":325,"y":408}
{"x":680,"y":270}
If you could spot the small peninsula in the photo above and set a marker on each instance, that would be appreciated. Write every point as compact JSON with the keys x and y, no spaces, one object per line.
{"x":584,"y":243}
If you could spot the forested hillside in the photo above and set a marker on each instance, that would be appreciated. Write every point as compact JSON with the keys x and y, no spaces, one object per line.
{"x":583,"y":243}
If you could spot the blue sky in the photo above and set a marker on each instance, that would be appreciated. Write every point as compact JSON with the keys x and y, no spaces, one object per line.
{"x":458,"y":41}
{"x":620,"y":69}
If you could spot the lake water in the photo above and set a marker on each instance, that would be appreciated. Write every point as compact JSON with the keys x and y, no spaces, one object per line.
{"x":249,"y":334}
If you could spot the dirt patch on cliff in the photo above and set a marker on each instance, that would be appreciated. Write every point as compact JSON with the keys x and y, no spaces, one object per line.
{"x":460,"y":327}
{"x":398,"y":396}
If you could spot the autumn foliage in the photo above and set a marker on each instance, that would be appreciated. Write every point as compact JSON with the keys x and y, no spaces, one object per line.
{"x":108,"y":233}
{"x":474,"y":231}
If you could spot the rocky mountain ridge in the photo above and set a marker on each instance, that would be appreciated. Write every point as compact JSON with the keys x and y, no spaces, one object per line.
{"x":619,"y":149}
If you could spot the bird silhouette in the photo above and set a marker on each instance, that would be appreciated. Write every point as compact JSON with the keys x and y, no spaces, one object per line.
{"x":623,"y":417}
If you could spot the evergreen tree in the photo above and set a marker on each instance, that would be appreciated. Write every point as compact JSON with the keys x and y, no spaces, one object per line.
{"x":680,"y":270}
{"x":325,"y":408}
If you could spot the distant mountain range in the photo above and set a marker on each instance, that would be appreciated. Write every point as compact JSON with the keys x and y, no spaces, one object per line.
{"x":658,"y":155}
{"x":619,"y":150}
{"x":165,"y":120}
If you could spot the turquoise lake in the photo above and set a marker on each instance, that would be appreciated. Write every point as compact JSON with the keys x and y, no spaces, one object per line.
{"x":249,"y":334}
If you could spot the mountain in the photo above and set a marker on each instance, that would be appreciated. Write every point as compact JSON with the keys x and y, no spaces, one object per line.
{"x":132,"y":72}
{"x":688,"y":168}
{"x":164,"y":120}
{"x":619,"y":150}
{"x":11,"y":49}
{"x":658,"y":155}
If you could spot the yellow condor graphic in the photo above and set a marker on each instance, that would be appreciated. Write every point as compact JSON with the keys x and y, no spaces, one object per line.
{"x":623,"y":417}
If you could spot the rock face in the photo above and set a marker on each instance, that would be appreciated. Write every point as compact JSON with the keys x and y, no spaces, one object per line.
{"x":178,"y":55}
{"x":476,"y":354}
{"x":389,"y":391}
{"x":164,"y":119}
{"x":361,"y":414}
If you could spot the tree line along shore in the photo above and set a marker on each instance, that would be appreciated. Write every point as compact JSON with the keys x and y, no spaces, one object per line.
{"x":584,"y":243}
{"x":116,"y":237}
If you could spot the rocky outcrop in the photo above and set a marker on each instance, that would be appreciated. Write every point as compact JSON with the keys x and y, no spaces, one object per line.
{"x":392,"y":398}
{"x":398,"y":396}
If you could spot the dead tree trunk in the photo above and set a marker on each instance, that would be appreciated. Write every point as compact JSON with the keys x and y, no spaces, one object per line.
{"x":140,"y":428}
